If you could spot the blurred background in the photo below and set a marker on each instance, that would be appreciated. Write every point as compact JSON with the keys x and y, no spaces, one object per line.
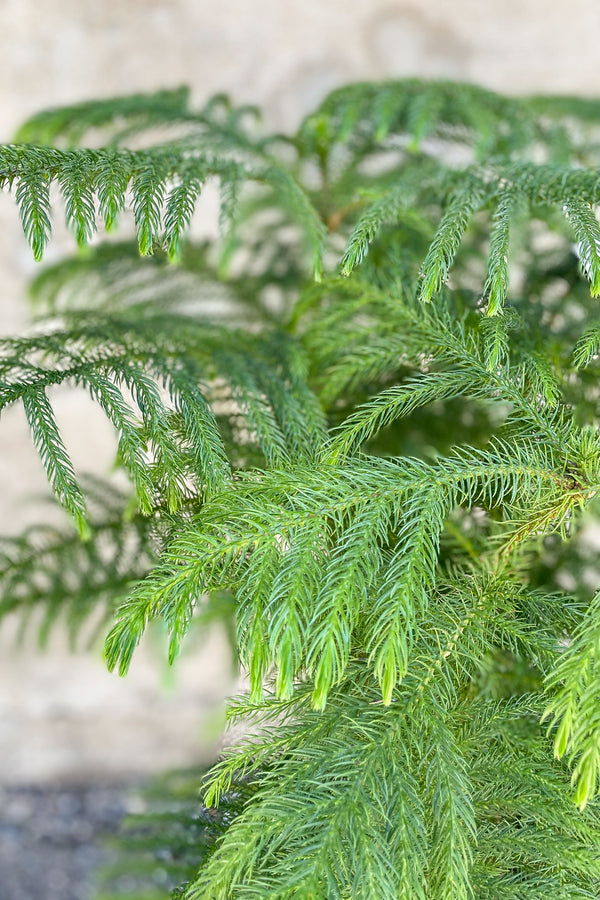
{"x":63,"y":719}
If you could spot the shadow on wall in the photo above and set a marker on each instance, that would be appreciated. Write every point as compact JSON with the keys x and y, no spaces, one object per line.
{"x":402,"y":41}
{"x":396,"y":43}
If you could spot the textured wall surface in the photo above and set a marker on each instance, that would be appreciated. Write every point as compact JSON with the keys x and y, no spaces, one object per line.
{"x":284,"y":55}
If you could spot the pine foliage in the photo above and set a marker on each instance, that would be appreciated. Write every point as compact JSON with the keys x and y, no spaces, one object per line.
{"x":365,"y":418}
{"x":48,"y":574}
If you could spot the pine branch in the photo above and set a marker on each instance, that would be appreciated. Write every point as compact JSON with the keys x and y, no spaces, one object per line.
{"x":573,"y":707}
{"x":439,"y":259}
{"x":325,"y":793}
{"x":401,"y":616}
{"x":454,"y":828}
{"x":496,"y":285}
{"x":393,"y":207}
{"x":83,"y":174}
{"x":71,"y":122}
{"x":587,"y":231}
{"x":54,"y":457}
{"x":53,"y":571}
{"x":241,"y":540}
{"x":370,"y":113}
{"x":286,"y":419}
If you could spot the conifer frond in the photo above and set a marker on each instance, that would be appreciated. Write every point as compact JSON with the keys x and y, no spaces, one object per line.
{"x":83,"y":175}
{"x":33,"y":200}
{"x":367,"y":562}
{"x":376,"y":340}
{"x":573,"y":706}
{"x":54,"y":456}
{"x":587,"y":232}
{"x":402,"y":616}
{"x":484,"y":820}
{"x":161,"y":847}
{"x":398,"y":401}
{"x":77,"y":182}
{"x":436,"y":265}
{"x":461,"y":193}
{"x":112,"y":277}
{"x":50,"y":575}
{"x":571,"y":190}
{"x":454,"y":831}
{"x":69,"y":123}
{"x":284,"y":417}
{"x":393,"y":207}
{"x":179,"y":210}
{"x":587,"y":348}
{"x":146,"y":444}
{"x":330,"y":775}
{"x":518,"y":806}
{"x":370,"y":113}
{"x":495,"y":336}
{"x":496,"y":285}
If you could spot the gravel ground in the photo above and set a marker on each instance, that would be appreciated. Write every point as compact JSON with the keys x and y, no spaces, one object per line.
{"x":51,"y":839}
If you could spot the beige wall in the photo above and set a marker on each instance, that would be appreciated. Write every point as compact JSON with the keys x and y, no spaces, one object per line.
{"x":284,"y":55}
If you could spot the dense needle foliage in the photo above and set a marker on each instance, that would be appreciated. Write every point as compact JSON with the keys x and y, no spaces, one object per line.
{"x":362,"y":424}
